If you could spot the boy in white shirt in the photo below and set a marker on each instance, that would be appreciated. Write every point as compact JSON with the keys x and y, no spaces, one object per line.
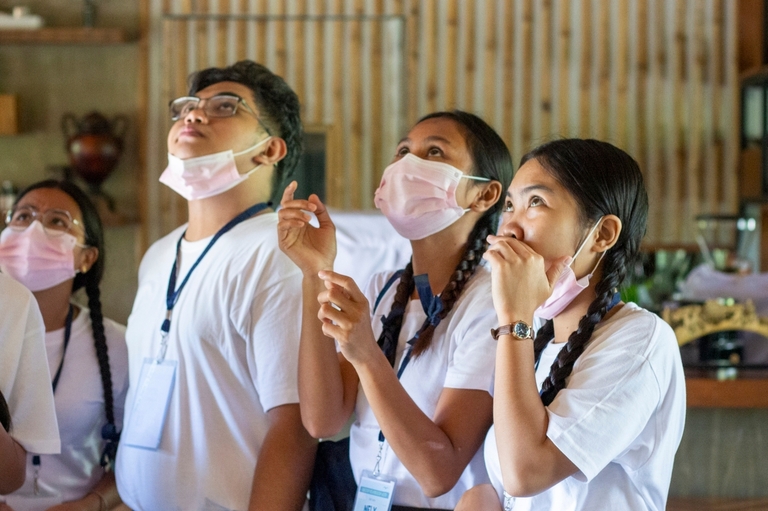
{"x":212,"y":416}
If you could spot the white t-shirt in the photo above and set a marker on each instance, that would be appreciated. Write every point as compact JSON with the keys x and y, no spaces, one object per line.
{"x":235,"y":335}
{"x":24,"y":378}
{"x":619,"y":419}
{"x":80,"y":411}
{"x":462,"y":356}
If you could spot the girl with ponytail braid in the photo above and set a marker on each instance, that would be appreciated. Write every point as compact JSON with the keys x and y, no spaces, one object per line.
{"x":54,"y":245}
{"x":414,"y":359}
{"x":588,"y":414}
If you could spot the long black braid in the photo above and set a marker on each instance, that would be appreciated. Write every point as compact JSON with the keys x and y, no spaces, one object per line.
{"x":490,"y":159}
{"x":603,"y":180}
{"x":5,"y":414}
{"x":90,"y":280}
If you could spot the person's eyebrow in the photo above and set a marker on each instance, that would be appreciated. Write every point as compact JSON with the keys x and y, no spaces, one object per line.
{"x":438,"y":138}
{"x":433,"y":138}
{"x":532,"y":188}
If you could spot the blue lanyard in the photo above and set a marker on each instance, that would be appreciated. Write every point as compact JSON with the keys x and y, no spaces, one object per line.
{"x":432,"y":306}
{"x":172,"y":295}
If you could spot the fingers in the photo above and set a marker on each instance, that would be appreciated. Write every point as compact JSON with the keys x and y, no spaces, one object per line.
{"x":288,"y":202}
{"x":288,"y":192}
{"x":320,"y":211}
{"x":556,"y":269}
{"x":344,"y":282}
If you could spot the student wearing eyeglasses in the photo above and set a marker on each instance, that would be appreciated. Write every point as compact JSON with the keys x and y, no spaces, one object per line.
{"x":212,"y":414}
{"x":53,"y":244}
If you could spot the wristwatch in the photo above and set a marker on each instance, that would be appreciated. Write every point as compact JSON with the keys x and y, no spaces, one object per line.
{"x":520,"y":330}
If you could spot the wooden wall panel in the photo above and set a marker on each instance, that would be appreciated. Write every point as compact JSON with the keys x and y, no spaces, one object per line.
{"x":655,"y":77}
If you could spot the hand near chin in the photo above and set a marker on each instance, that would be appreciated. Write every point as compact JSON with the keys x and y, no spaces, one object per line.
{"x":520,"y":281}
{"x":345,"y":314}
{"x":311,"y":248}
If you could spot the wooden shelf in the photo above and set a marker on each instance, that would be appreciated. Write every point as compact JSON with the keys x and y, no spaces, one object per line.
{"x":750,"y":391}
{"x":64,"y":35}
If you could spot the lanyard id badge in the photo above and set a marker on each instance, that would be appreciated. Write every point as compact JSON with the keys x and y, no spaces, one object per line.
{"x":374,"y":493}
{"x":150,"y":408}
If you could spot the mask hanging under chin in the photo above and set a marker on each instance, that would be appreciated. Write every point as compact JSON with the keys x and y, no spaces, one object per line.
{"x":206,"y":176}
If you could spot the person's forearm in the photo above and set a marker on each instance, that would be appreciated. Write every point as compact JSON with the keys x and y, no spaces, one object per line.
{"x":284,"y":468}
{"x":324,"y":407}
{"x":419,"y":443}
{"x":14,"y":463}
{"x":520,"y":419}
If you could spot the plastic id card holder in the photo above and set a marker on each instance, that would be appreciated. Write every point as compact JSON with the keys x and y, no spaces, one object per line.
{"x":374,"y":493}
{"x":150,"y":407}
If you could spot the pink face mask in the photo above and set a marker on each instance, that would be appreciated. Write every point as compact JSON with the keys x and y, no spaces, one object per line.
{"x":35,"y":259}
{"x":418,"y":197}
{"x":205,"y":176}
{"x":567,"y":287}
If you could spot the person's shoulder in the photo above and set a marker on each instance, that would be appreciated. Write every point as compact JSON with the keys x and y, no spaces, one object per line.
{"x":637,"y":331}
{"x":163,"y":246}
{"x":477,"y":293}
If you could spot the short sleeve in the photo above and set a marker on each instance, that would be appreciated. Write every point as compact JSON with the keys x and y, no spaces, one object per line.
{"x":608,"y":401}
{"x":275,"y":331}
{"x":473,"y":360}
{"x":26,"y":381}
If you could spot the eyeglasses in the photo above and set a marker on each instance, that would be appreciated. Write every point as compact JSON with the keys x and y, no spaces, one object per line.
{"x":223,"y":105}
{"x":56,"y":222}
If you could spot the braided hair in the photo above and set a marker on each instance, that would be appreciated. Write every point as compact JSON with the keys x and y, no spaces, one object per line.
{"x":490,"y":159}
{"x":5,"y":414}
{"x":90,"y":280}
{"x":603,"y":180}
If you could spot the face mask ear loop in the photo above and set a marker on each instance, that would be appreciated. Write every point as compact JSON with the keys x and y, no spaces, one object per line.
{"x":476,"y":178}
{"x":585,"y":241}
{"x":257,"y":167}
{"x":602,"y":254}
{"x":253,"y":146}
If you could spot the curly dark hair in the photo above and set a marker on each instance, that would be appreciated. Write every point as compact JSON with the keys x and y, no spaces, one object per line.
{"x":278,"y":107}
{"x":603,"y":180}
{"x":490,"y":159}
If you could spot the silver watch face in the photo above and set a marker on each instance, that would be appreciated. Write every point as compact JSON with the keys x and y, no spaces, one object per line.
{"x":521,"y":330}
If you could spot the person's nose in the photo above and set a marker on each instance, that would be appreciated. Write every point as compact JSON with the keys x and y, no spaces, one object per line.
{"x":196,"y":115}
{"x":510,"y":227}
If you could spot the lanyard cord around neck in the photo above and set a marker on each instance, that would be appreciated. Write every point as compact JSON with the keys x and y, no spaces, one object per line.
{"x":55,"y":381}
{"x":172,"y":294}
{"x":432,"y":306}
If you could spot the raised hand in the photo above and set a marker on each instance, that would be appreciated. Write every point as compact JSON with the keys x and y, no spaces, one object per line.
{"x":346,"y":317}
{"x":520,"y":281}
{"x":311,"y":248}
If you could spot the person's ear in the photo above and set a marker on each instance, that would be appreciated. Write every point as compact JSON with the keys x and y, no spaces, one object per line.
{"x":487,"y":197}
{"x":607,"y":235}
{"x":274,"y":151}
{"x":86,"y":260}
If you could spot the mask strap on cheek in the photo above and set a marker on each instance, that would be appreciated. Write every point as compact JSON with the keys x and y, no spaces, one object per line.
{"x":585,"y":241}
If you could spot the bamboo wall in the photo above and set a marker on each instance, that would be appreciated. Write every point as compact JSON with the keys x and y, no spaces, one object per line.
{"x":656,"y":77}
